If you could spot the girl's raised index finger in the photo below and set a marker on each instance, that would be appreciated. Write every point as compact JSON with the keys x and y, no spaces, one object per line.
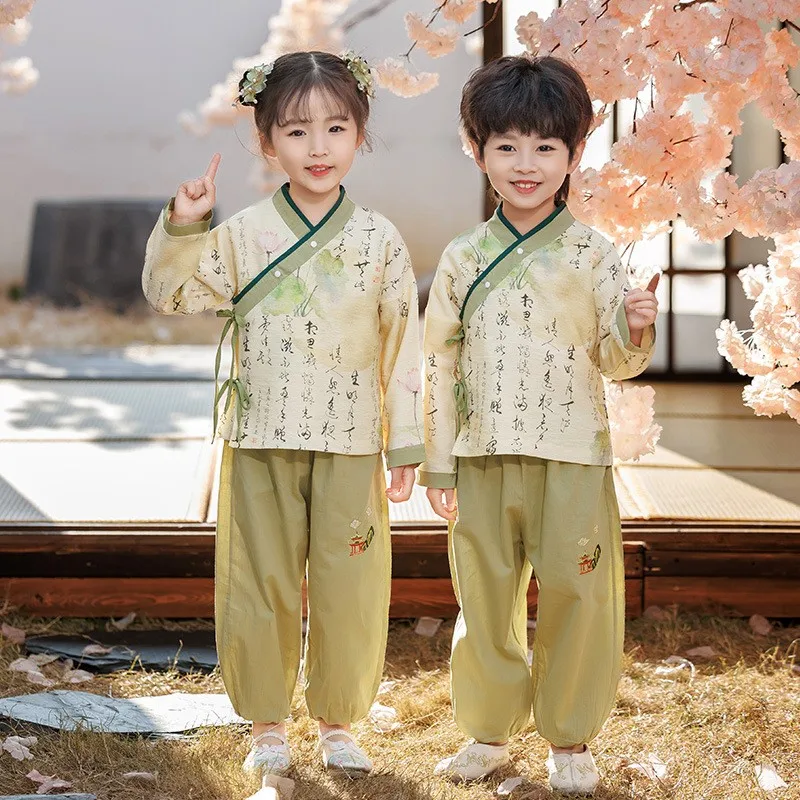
{"x":651,"y":287}
{"x":211,"y":172}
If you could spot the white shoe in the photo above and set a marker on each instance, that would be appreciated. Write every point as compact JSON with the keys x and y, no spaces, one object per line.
{"x":573,"y":773}
{"x":473,"y":762}
{"x":271,"y":758}
{"x":345,"y":755}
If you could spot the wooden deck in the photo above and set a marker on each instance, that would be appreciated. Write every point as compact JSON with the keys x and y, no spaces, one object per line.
{"x":107,"y":497}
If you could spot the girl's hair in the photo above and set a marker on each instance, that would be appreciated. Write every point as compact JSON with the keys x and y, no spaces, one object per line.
{"x":545,"y":96}
{"x":290,"y":83}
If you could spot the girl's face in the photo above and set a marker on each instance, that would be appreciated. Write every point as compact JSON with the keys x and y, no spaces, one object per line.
{"x":316,"y":145}
{"x":526,"y":170}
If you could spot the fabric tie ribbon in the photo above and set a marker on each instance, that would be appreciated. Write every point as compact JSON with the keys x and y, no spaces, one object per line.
{"x":232,"y":385}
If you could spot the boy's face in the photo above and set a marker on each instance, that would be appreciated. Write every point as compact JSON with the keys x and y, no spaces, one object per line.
{"x":525,"y":169}
{"x":317,"y":150}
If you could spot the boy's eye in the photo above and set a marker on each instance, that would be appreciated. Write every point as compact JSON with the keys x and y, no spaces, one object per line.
{"x":546,"y":148}
{"x":506,"y":148}
{"x":297,"y":132}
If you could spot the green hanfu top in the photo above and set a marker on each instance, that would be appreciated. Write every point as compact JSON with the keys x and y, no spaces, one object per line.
{"x":520,"y":331}
{"x":322,"y":318}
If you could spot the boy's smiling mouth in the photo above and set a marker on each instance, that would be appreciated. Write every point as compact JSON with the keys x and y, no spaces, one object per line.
{"x":525,"y":187}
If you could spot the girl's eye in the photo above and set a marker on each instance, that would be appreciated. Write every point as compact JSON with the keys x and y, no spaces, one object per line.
{"x":297,"y":133}
{"x":336,"y":129}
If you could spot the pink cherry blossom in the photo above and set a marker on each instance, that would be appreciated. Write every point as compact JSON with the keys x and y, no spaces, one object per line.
{"x":460,"y":10}
{"x":630,"y":412}
{"x":392,"y":74}
{"x":436,"y":43}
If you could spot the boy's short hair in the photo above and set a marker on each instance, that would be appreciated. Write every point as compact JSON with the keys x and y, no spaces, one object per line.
{"x":528,"y":94}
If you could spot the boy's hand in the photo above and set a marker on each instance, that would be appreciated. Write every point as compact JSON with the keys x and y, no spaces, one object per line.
{"x":402,"y":485}
{"x":443,"y":502}
{"x":641,"y":309}
{"x":194,"y":199}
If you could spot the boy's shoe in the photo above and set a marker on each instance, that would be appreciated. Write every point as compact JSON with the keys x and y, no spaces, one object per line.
{"x":473,"y":762}
{"x":269,"y":754}
{"x":345,"y":755}
{"x":573,"y":773}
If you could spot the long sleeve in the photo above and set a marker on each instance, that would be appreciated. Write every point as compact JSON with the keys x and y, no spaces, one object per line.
{"x":188,"y":268}
{"x":617,"y":357}
{"x":400,"y":363}
{"x":441,"y":324}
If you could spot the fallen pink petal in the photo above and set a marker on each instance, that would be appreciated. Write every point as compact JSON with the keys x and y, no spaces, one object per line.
{"x":14,"y":635}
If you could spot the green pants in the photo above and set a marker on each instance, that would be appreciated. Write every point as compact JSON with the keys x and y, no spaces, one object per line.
{"x":562,"y":520}
{"x":283,"y":515}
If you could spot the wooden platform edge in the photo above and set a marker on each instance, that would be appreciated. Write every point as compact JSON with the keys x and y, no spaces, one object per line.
{"x":194,"y":597}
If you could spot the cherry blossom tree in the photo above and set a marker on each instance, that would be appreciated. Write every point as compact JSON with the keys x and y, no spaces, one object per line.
{"x":689,"y":68}
{"x":16,"y":75}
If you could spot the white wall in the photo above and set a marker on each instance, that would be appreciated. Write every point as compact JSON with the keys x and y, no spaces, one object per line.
{"x":102,"y":122}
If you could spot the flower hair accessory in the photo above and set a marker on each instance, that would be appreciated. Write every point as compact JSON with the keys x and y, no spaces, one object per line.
{"x":253,"y":82}
{"x":361,"y":72}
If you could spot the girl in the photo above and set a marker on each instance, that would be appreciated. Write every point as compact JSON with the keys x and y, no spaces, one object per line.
{"x":324,"y":376}
{"x":527,"y":311}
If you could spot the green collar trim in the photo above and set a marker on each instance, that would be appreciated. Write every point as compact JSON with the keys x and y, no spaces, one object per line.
{"x":337,"y":217}
{"x":546,"y":231}
{"x":507,"y":234}
{"x":297,"y":222}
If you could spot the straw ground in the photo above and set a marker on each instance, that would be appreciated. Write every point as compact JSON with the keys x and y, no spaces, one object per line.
{"x":741,"y":708}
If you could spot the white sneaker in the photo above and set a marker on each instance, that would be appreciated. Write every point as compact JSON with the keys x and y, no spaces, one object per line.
{"x":573,"y":773}
{"x":345,"y":755}
{"x":271,"y":758}
{"x":473,"y":762}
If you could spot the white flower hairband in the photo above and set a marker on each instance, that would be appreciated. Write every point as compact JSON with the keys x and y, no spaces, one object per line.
{"x":255,"y":79}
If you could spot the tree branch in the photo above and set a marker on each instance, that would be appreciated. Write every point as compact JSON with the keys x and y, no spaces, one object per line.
{"x":682,"y":6}
{"x":428,"y":24}
{"x":489,"y":21}
{"x":373,"y":11}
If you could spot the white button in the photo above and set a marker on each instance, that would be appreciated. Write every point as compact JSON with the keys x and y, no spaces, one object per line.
{"x":487,"y":284}
{"x":313,"y":244}
{"x":277,"y":273}
{"x":520,"y":250}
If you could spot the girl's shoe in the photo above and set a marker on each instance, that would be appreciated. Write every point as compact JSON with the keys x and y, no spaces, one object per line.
{"x":573,"y":773}
{"x":271,"y":758}
{"x":473,"y":762}
{"x":345,"y":755}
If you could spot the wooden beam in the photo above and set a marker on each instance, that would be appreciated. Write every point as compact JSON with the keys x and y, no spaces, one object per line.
{"x":413,"y":556}
{"x":194,"y":597}
{"x":686,"y":563}
{"x":772,"y":597}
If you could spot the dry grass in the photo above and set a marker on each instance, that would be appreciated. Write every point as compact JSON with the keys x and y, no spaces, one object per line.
{"x":741,"y":708}
{"x":34,"y":323}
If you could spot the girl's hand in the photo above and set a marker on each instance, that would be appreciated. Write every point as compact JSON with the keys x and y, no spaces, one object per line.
{"x":641,"y":309}
{"x":443,"y":502}
{"x":194,"y":199}
{"x":402,"y":485}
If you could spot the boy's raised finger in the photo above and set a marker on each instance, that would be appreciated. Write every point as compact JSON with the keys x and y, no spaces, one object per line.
{"x":211,"y":172}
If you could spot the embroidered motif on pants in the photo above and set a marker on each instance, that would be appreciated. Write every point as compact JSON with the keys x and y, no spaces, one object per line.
{"x":359,"y":544}
{"x":587,"y":563}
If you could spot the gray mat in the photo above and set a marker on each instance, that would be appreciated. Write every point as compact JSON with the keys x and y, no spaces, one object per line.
{"x":79,"y":410}
{"x":105,"y":481}
{"x":137,"y":362}
{"x":70,"y":710}
{"x":48,"y":797}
